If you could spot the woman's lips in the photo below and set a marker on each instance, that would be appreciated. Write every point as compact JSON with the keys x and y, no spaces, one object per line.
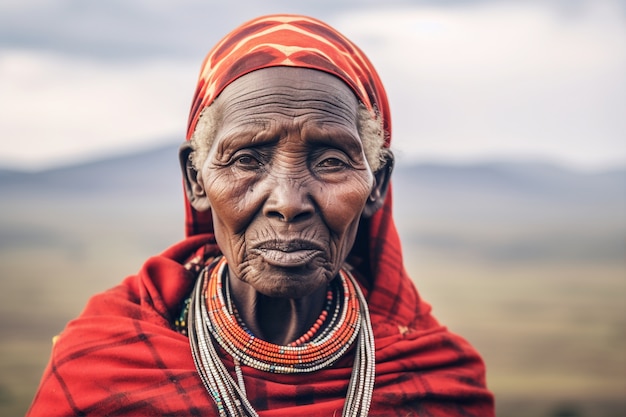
{"x":288,"y":253}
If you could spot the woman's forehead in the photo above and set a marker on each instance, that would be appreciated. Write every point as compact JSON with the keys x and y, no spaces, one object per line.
{"x":276,"y":103}
{"x":289,"y":88}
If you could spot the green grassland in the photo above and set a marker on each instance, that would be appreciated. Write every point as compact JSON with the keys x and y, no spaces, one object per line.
{"x":541,"y":296}
{"x":552,"y":335}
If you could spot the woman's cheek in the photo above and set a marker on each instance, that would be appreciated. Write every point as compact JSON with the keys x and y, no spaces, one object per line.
{"x":347,"y":205}
{"x":232,"y":200}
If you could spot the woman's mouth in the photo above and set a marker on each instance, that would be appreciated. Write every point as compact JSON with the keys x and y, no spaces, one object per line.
{"x":288,"y":253}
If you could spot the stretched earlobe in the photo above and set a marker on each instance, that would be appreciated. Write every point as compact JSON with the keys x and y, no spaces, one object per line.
{"x":382,"y":178}
{"x":192,"y":179}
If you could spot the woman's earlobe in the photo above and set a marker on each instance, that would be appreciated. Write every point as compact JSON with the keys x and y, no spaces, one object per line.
{"x":192,"y":179}
{"x":382,"y":178}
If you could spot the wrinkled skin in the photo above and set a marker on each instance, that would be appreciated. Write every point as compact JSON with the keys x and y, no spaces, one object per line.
{"x":287,"y":182}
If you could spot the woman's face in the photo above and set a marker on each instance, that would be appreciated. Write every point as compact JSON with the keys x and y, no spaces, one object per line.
{"x":286,"y":179}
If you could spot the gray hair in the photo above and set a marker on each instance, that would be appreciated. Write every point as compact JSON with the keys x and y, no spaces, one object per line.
{"x":370,"y":131}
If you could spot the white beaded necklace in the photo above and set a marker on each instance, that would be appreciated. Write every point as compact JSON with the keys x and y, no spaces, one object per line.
{"x":230,"y":396}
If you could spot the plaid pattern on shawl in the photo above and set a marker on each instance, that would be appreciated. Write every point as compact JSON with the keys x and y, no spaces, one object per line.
{"x":123,"y":357}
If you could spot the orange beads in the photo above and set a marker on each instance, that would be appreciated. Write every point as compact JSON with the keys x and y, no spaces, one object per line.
{"x":327,"y":340}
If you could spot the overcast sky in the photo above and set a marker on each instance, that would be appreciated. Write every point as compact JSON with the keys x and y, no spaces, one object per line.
{"x":467,"y":80}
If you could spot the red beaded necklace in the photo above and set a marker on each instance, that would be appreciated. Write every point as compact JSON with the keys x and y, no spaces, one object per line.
{"x":329,"y":338}
{"x":232,"y":308}
{"x":212,"y":320}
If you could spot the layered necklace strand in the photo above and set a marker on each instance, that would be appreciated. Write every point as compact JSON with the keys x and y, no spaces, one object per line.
{"x":213,"y":317}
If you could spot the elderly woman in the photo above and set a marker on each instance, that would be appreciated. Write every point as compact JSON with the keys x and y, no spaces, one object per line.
{"x":289,"y":295}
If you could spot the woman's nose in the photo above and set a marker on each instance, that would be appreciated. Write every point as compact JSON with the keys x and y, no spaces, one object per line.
{"x":289,"y":201}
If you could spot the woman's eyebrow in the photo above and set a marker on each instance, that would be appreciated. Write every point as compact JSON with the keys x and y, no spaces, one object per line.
{"x":254,"y":134}
{"x":336,"y":137}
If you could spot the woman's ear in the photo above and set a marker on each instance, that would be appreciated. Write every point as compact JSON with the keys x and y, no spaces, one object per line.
{"x":192,"y":179}
{"x":382,"y":178}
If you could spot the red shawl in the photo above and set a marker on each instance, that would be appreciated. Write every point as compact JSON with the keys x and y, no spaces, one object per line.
{"x":122,"y":356}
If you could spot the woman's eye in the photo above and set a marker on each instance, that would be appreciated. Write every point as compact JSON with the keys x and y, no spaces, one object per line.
{"x":248,"y":162}
{"x":331,"y":163}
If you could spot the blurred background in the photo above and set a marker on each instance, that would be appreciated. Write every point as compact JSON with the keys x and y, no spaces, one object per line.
{"x":510,"y":192}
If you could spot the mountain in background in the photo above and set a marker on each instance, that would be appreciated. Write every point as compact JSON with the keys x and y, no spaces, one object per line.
{"x":140,"y":172}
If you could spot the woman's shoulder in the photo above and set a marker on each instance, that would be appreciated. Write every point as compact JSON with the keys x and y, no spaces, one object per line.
{"x":123,"y":350}
{"x":162,"y":282}
{"x":152,"y":297}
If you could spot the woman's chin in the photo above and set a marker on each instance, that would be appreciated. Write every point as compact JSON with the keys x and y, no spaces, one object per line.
{"x":282,"y":282}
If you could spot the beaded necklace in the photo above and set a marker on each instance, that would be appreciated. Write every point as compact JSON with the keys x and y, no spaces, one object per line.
{"x":232,"y":308}
{"x":213,"y":318}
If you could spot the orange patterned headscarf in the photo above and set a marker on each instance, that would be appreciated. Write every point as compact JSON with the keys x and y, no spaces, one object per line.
{"x":283,"y":40}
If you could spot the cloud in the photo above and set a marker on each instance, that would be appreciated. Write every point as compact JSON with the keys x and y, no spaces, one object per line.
{"x":58,"y":108}
{"x":509,"y":80}
{"x":467,"y":80}
{"x":111,"y":30}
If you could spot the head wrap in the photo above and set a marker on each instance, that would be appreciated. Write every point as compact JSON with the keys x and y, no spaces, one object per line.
{"x":283,"y":40}
{"x":288,"y":41}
